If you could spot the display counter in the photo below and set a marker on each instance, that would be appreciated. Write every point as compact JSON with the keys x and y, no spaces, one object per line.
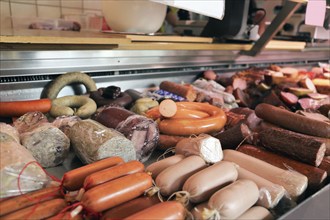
{"x":29,"y":63}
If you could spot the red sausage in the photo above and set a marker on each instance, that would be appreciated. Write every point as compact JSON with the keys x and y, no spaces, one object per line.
{"x":19,"y":108}
{"x":23,"y":201}
{"x":129,"y":208}
{"x":112,"y":173}
{"x":214,"y":123}
{"x":165,"y":210}
{"x":116,"y":192}
{"x":74,"y":179}
{"x":40,"y":211}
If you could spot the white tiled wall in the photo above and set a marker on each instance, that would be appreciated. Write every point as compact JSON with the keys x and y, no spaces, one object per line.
{"x":45,"y":9}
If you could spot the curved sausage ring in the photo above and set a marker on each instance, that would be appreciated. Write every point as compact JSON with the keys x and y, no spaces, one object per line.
{"x":214,"y":123}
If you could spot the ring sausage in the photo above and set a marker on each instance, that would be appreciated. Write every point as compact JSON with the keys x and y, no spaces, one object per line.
{"x":19,"y":108}
{"x":60,"y":82}
{"x":116,"y":192}
{"x":74,"y":179}
{"x":164,"y":210}
{"x":214,"y":123}
{"x":111,"y":173}
{"x":203,"y":184}
{"x":292,"y":121}
{"x":63,"y":106}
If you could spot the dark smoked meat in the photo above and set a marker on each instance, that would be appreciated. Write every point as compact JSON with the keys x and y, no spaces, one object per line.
{"x":142,"y":131}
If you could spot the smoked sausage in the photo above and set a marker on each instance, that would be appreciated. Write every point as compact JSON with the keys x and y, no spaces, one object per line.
{"x":214,"y":123}
{"x":111,"y":173}
{"x":165,"y":210}
{"x":74,"y":179}
{"x":116,"y":192}
{"x":292,"y":121}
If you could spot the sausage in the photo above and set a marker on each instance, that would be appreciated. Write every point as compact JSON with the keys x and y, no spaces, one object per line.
{"x":74,"y":179}
{"x":167,"y":108}
{"x":63,"y":106}
{"x":172,"y":178}
{"x":185,"y":91}
{"x":232,"y":137}
{"x":214,"y":123}
{"x":270,"y":193}
{"x":144,"y":104}
{"x":168,"y":141}
{"x":157,"y":167}
{"x":116,"y":192}
{"x":10,"y":131}
{"x":256,"y":212}
{"x":204,"y":183}
{"x":19,"y":108}
{"x":129,"y":208}
{"x":197,"y":211}
{"x":122,"y":100}
{"x":295,"y":145}
{"x":39,"y":211}
{"x":229,"y":202}
{"x":61,"y":81}
{"x":204,"y":145}
{"x":111,"y":173}
{"x":19,"y":202}
{"x":135,"y":95}
{"x":292,"y":121}
{"x":165,"y":210}
{"x":112,"y":116}
{"x":29,"y":121}
{"x":294,"y":183}
{"x":66,"y":216}
{"x":181,"y":113}
{"x":316,"y":176}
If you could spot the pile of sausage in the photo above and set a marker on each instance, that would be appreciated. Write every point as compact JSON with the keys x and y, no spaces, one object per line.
{"x":101,"y":189}
{"x":261,"y":133}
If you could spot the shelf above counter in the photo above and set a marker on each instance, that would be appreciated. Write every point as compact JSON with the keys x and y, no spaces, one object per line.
{"x":30,"y":39}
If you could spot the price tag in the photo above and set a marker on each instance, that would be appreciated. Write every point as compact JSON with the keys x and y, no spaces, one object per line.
{"x":315,"y":12}
{"x":210,"y":8}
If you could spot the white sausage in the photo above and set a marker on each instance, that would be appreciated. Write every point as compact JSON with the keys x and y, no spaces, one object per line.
{"x":294,"y":182}
{"x":234,"y":199}
{"x":269,"y":193}
{"x":256,"y":212}
{"x":172,"y":178}
{"x":157,"y":167}
{"x":204,"y":183}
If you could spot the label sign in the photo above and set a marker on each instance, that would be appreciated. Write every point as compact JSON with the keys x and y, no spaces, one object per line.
{"x":210,"y":8}
{"x":315,"y":12}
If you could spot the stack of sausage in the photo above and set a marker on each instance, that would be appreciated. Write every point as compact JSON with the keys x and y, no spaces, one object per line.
{"x":101,"y":186}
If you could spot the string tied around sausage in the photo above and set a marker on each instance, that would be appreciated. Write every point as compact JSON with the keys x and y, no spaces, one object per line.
{"x":180,"y":196}
{"x":250,"y":137}
{"x":54,"y":181}
{"x":210,"y":214}
{"x":153,"y":190}
{"x":168,"y":151}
